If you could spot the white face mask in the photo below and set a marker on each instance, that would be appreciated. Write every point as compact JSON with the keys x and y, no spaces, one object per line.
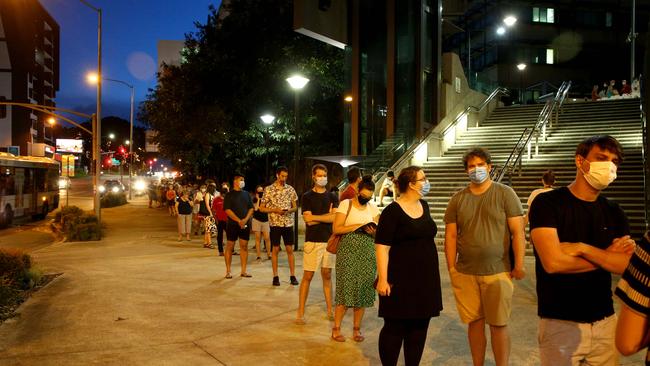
{"x":242,"y":184}
{"x":601,"y":174}
{"x":321,"y":181}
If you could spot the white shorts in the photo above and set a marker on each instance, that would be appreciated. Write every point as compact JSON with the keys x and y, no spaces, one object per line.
{"x":315,"y":255}
{"x":259,"y":226}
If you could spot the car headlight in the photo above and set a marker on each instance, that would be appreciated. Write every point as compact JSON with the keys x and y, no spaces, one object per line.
{"x":115,"y":189}
{"x":140,"y":185}
{"x":62,"y":183}
{"x":102,"y":189}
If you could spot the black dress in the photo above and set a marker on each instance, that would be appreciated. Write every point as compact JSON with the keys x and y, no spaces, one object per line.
{"x":413,"y":264}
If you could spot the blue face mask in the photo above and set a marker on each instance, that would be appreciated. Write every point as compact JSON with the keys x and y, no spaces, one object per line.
{"x":426,"y":186}
{"x":478,"y":175}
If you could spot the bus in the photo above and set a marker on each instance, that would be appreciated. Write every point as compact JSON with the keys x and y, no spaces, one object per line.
{"x":29,"y":185}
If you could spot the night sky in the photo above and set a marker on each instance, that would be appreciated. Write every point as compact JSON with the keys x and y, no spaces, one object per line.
{"x":131,"y":30}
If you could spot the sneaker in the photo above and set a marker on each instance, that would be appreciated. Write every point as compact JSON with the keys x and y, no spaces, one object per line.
{"x":220,"y":254}
{"x":293,"y":280}
{"x":258,"y":260}
{"x":276,"y":281}
{"x":235,"y":253}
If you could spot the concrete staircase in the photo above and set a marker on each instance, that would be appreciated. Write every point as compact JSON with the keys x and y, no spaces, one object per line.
{"x":503,"y":128}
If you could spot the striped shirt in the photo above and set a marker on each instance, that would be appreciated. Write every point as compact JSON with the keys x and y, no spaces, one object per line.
{"x":634,"y":287}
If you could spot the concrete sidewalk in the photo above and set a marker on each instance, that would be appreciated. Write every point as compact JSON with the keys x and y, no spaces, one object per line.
{"x":141,"y":297}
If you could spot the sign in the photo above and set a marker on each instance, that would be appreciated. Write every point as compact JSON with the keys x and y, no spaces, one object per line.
{"x":150,"y":146}
{"x":13,"y":150}
{"x":69,"y":145}
{"x":67,"y":165}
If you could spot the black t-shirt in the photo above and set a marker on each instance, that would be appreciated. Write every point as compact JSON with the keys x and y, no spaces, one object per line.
{"x":318,"y":204}
{"x":239,"y":202}
{"x":580,"y":297}
{"x":257,"y":214}
{"x":184,"y":207}
{"x":412,"y":266}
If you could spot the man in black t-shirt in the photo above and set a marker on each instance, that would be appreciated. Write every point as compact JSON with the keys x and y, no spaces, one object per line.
{"x":318,"y":211}
{"x":580,"y":238}
{"x":239,"y":208}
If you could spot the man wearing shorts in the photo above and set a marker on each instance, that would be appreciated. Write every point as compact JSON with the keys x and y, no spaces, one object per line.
{"x":280,"y":202}
{"x":580,"y":239}
{"x":239,"y":208}
{"x":483,"y":222}
{"x":318,"y":210}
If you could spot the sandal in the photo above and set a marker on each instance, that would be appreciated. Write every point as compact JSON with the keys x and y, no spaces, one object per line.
{"x":338,"y":338}
{"x":228,"y":275}
{"x":246,"y":275}
{"x":209,"y":246}
{"x":358,"y":337}
{"x":300,"y":321}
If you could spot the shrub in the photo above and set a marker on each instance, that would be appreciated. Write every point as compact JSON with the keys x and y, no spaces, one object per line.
{"x":113,"y":200}
{"x":14,"y":268}
{"x":79,"y":225}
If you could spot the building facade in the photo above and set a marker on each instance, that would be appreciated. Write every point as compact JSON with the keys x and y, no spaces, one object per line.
{"x":587,"y":42}
{"x":29,"y":73}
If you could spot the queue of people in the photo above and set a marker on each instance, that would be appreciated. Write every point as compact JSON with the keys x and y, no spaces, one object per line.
{"x":580,"y":239}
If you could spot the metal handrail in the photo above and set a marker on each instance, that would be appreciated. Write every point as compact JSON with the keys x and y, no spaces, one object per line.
{"x":540,"y":125}
{"x":431,"y":134}
{"x":644,"y":149}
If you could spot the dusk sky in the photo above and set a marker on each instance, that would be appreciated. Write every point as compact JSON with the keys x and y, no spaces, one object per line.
{"x":131,"y":30}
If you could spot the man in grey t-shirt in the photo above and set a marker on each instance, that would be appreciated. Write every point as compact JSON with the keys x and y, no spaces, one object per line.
{"x":483,"y":221}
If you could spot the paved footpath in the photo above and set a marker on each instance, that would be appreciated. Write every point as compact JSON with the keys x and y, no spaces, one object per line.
{"x":139,"y":297}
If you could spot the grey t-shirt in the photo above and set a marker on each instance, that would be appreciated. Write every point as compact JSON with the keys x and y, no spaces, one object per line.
{"x":483,"y":241}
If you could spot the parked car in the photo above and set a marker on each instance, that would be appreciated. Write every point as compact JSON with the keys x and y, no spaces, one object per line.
{"x":111,"y":186}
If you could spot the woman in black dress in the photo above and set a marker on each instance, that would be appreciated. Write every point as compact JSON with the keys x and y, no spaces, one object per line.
{"x":408,"y":283}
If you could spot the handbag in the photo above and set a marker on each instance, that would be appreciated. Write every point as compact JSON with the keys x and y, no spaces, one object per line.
{"x":335,"y":239}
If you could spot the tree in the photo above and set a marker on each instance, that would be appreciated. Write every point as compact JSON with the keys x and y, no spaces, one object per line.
{"x":206,"y":110}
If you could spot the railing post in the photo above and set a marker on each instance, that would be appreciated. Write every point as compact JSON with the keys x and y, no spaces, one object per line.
{"x":529,"y":147}
{"x":537,"y":143}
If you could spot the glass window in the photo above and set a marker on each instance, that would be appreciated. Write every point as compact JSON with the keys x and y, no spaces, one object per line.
{"x":542,"y":16}
{"x":7,"y":181}
{"x":550,"y":15}
{"x":608,"y":19}
{"x":535,"y":14}
{"x":549,"y":55}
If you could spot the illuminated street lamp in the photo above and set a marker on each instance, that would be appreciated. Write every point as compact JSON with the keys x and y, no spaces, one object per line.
{"x":93,"y":79}
{"x":521,"y":67}
{"x":267,"y":119}
{"x":501,"y":31}
{"x":509,"y":21}
{"x":297,"y":83}
{"x":111,"y":136}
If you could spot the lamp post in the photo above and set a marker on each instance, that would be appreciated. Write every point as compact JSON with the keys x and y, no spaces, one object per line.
{"x":93,"y":79}
{"x":297,"y":83}
{"x":52,"y":122}
{"x":267,"y":119}
{"x":521,"y":67}
{"x":97,"y":126}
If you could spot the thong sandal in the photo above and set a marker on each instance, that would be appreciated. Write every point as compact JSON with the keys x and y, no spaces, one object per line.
{"x":358,"y":337}
{"x":228,"y":275}
{"x":338,"y":338}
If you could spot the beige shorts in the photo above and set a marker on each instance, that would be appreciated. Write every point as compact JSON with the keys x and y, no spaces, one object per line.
{"x":259,"y":226}
{"x":566,"y":343}
{"x":479,"y":297}
{"x":316,"y":256}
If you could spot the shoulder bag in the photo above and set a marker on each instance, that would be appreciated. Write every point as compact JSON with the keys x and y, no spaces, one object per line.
{"x":335,"y":239}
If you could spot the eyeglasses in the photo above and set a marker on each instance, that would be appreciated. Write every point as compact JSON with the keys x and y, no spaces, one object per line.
{"x":421,"y":180}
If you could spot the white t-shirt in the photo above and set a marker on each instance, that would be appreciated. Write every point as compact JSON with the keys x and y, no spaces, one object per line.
{"x":534,"y":194}
{"x":356,"y":215}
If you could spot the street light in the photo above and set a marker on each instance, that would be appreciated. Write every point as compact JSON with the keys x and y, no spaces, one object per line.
{"x":94,"y":79}
{"x":509,"y":21}
{"x":52,"y":122}
{"x":111,"y":136}
{"x":521,"y":67}
{"x":297,"y":83}
{"x":501,"y":31}
{"x":97,"y":126}
{"x":267,"y":119}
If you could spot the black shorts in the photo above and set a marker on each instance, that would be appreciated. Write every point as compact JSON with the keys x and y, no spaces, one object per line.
{"x":284,"y":233}
{"x":234,"y":232}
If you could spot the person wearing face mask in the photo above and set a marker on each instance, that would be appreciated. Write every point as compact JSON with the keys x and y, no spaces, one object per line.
{"x":239,"y":208}
{"x":408,"y":279}
{"x":580,"y":238}
{"x":356,"y":267}
{"x":483,"y":224}
{"x":280,"y":201}
{"x":318,"y":210}
{"x":221,"y":218}
{"x":261,"y":226}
